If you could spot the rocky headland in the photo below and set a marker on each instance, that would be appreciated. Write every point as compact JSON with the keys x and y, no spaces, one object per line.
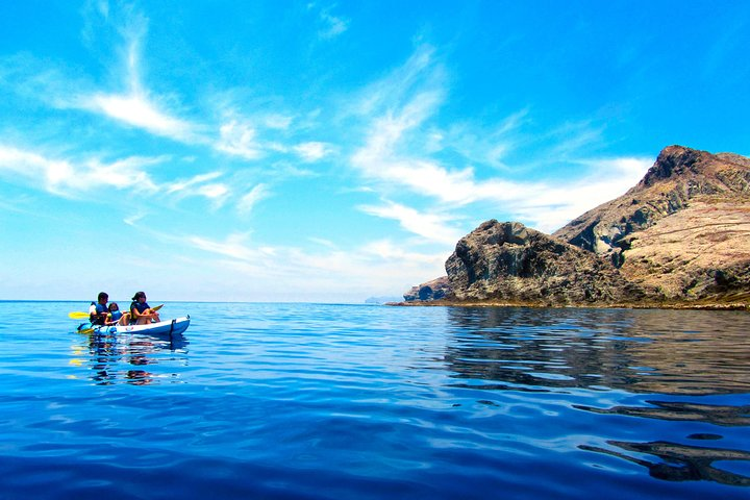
{"x":679,"y":238}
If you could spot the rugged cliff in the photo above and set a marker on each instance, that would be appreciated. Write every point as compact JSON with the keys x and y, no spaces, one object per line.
{"x":510,"y":263}
{"x":681,"y":236}
{"x":682,"y":232}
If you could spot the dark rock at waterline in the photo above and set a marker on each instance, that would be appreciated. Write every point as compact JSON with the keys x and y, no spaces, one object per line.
{"x":437,"y":289}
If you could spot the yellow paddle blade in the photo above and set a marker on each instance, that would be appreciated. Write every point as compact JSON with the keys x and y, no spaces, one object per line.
{"x":78,"y":315}
{"x":157,"y":307}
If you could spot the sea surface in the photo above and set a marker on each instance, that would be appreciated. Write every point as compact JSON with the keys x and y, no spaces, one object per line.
{"x":368,"y":402}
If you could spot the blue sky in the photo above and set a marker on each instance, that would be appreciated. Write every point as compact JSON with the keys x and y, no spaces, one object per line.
{"x":333,"y":151}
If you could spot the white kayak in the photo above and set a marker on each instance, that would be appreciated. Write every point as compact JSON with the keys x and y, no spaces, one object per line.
{"x":168,"y":327}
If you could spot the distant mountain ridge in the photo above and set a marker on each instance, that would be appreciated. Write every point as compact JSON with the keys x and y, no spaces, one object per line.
{"x":680,"y":237}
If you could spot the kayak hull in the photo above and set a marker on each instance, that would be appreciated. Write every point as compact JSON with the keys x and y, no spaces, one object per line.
{"x":170,"y":327}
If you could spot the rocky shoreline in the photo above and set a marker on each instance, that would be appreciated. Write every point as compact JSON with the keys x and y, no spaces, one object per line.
{"x":679,"y":239}
{"x":729,"y":306}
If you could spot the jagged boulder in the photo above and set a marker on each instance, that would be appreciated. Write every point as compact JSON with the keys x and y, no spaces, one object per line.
{"x":510,"y":263}
{"x":437,"y":289}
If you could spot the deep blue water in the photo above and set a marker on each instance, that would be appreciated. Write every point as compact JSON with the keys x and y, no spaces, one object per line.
{"x":343,"y":402}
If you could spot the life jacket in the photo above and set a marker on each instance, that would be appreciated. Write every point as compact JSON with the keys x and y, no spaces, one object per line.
{"x":101,"y":312}
{"x":137,"y":306}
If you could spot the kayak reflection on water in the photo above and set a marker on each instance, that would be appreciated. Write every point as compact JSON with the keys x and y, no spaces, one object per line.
{"x":125,"y":358}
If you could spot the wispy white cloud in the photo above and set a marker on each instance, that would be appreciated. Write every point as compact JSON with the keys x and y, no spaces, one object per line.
{"x":232,"y":127}
{"x":201,"y":185}
{"x":571,"y":138}
{"x":128,"y":102}
{"x":137,"y":110}
{"x":331,"y":25}
{"x":399,"y":112}
{"x":419,"y":74}
{"x":252,"y":198}
{"x":324,"y":242}
{"x":75,"y":178}
{"x":388,"y":250}
{"x":313,"y":151}
{"x":54,"y":175}
{"x":484,"y":145}
{"x":431,"y":227}
{"x":375,"y":267}
{"x":239,"y":139}
{"x":216,"y":192}
{"x":68,"y":178}
{"x":126,"y":173}
{"x":132,"y":220}
{"x":135,"y":106}
{"x":278,"y":121}
{"x":336,"y":25}
{"x":235,"y":246}
{"x":180,"y":186}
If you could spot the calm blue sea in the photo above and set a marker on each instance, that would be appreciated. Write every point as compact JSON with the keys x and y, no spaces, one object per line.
{"x":368,"y":402}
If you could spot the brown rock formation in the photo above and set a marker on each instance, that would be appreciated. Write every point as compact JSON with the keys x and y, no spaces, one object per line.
{"x":511,"y":263}
{"x":682,"y":232}
{"x":680,"y":237}
{"x":437,"y":289}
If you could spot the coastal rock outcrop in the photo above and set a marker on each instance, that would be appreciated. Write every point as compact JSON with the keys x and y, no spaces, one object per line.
{"x":683,"y":232}
{"x":510,"y":263}
{"x":437,"y":289}
{"x":680,"y":237}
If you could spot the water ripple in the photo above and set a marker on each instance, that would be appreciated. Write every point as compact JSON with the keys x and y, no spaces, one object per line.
{"x":316,"y":401}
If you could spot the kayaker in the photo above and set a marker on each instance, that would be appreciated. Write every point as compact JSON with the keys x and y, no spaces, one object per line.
{"x":116,"y":317}
{"x":98,"y":312}
{"x":140,"y":312}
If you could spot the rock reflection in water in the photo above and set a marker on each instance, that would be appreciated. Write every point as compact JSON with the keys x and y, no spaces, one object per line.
{"x":734,"y":416}
{"x":671,"y":353}
{"x":666,"y":352}
{"x":120,"y":357}
{"x":680,"y":462}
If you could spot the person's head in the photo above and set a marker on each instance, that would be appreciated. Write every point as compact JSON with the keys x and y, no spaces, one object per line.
{"x":102,"y":298}
{"x":138,"y":296}
{"x":114,"y":307}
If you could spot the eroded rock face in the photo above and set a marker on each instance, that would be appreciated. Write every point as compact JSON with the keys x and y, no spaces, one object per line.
{"x":680,"y":236}
{"x":682,"y":232}
{"x":508,"y":262}
{"x":437,"y":289}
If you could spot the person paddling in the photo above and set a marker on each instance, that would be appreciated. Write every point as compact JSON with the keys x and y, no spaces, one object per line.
{"x":98,"y":312}
{"x":140,"y":312}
